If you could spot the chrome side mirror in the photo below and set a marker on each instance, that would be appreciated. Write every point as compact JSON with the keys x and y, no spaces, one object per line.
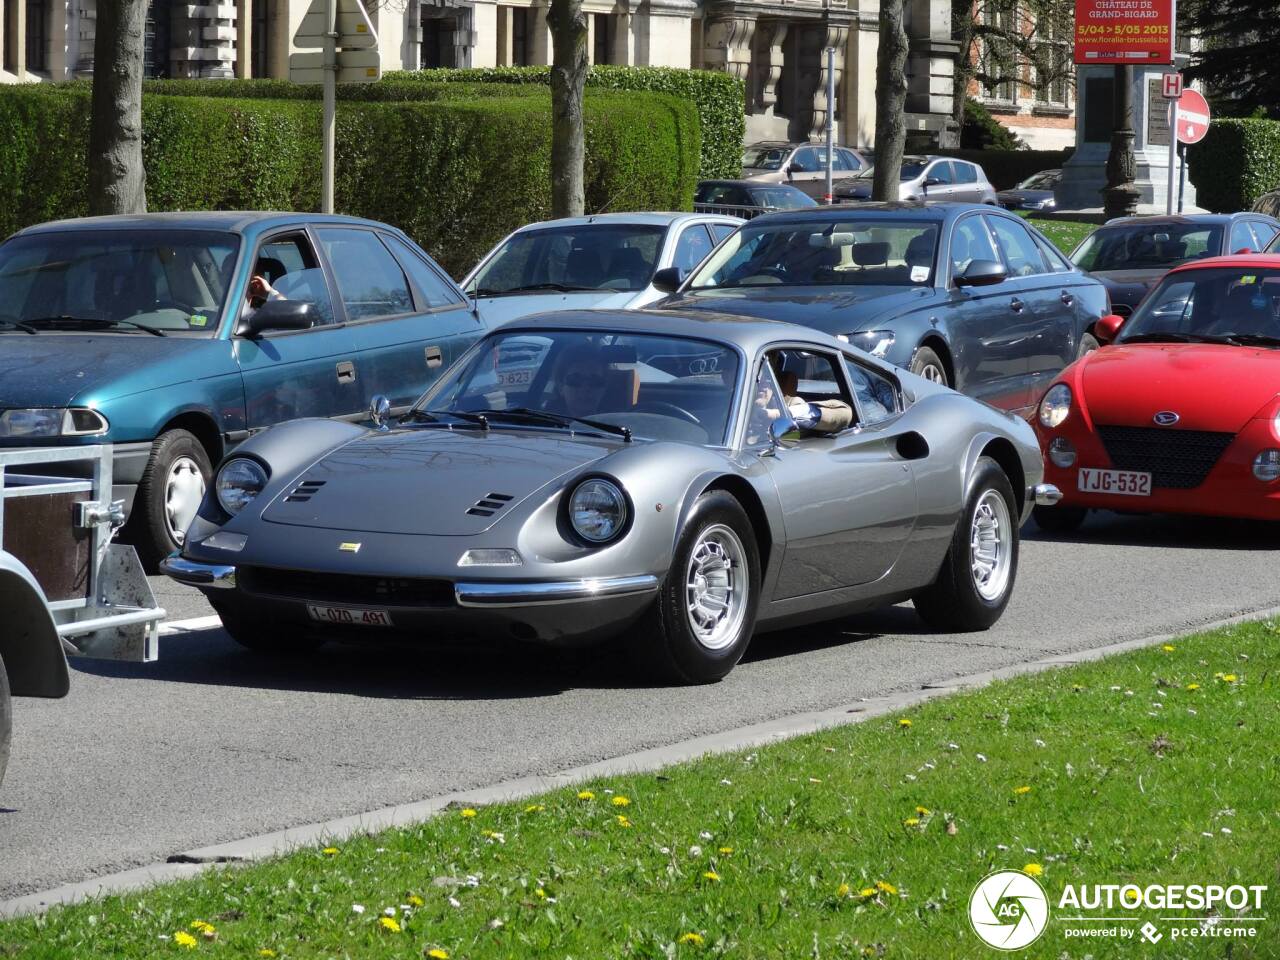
{"x":380,"y":411}
{"x":780,"y":428}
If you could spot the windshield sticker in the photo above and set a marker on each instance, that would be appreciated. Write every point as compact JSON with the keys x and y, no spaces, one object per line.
{"x":919,"y":274}
{"x":1249,"y":278}
{"x":198,"y":320}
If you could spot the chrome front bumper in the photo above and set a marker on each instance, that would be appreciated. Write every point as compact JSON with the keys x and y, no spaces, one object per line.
{"x":221,"y":576}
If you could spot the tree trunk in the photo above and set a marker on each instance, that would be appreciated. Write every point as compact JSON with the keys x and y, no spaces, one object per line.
{"x":891,"y":101}
{"x":117,"y":181}
{"x":962,"y":23}
{"x":568,"y":77}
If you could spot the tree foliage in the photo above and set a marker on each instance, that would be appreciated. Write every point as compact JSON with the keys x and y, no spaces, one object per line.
{"x":1002,"y":41}
{"x":1237,"y":61}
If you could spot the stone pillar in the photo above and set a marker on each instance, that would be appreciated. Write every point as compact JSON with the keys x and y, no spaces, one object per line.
{"x":727,"y":45}
{"x":16,"y":27}
{"x":622,"y":49}
{"x":830,"y":36}
{"x":770,"y":36}
{"x":244,"y":39}
{"x":539,"y":36}
{"x":504,"y":35}
{"x":931,"y":62}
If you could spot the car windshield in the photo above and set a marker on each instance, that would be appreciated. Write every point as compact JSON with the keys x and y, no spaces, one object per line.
{"x":1140,"y":246}
{"x":589,"y":256}
{"x":1227,"y":304}
{"x":854,"y":252}
{"x":1045,"y":180}
{"x":656,"y":387}
{"x":765,"y":157}
{"x":120,"y":281}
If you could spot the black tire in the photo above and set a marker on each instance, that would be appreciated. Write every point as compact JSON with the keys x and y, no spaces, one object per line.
{"x":148,"y":527}
{"x":664,"y":643}
{"x":1088,"y":344}
{"x":1059,"y":519}
{"x":6,"y":720}
{"x":925,"y":362}
{"x":953,"y":602}
{"x":263,"y":636}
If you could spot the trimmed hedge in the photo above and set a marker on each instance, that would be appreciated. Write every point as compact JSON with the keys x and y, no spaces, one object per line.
{"x":1235,"y":163}
{"x":456,"y":175}
{"x":1007,"y":168}
{"x":719,"y":98}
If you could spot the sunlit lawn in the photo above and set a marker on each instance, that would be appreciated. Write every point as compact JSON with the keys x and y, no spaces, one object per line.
{"x":1065,"y":234}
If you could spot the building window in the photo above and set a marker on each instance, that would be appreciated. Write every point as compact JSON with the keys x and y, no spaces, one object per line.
{"x":258,"y":39}
{"x":439,"y":31}
{"x":602,"y":26}
{"x":998,"y":59}
{"x":521,"y":31}
{"x":1053,"y":56}
{"x":155,"y":52}
{"x":37,"y":35}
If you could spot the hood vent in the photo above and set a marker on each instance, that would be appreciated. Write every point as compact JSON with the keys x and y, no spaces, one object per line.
{"x":490,"y":504}
{"x":304,"y":491}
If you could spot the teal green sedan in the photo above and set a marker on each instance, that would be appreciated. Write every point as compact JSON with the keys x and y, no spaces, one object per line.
{"x":177,"y":336}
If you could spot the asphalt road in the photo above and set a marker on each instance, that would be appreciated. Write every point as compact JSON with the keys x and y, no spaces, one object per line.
{"x":212,"y":743}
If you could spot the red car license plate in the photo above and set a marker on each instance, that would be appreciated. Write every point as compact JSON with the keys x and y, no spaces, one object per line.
{"x":346,"y":615}
{"x":1129,"y":483}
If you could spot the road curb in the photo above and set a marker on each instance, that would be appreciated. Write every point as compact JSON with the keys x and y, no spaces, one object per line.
{"x":192,"y":862}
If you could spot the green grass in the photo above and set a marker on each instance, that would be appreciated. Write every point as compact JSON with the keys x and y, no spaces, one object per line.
{"x":1129,"y":776}
{"x":1065,"y":234}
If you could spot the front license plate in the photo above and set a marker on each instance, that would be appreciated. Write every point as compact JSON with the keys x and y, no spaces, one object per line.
{"x":1128,"y":483}
{"x":345,"y":615}
{"x":516,"y":378}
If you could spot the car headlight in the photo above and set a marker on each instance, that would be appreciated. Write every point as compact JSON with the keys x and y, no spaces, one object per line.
{"x":597,"y":510}
{"x":875,"y":342}
{"x":52,"y":422}
{"x":1055,"y":406}
{"x":239,"y":481}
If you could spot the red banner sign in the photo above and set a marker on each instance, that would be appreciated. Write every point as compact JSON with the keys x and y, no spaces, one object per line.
{"x":1124,"y":31}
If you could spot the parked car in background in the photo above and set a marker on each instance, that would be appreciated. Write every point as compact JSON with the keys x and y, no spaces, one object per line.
{"x":604,"y":260}
{"x":961,"y":294}
{"x":685,"y":512}
{"x":1033,"y":193}
{"x":1129,"y":254}
{"x":1181,"y":414}
{"x":747,"y":198}
{"x":803,"y":165}
{"x":140,"y":331}
{"x":926,"y":178}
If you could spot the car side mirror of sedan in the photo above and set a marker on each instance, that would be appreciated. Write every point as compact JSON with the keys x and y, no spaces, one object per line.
{"x":668,"y":279}
{"x":278,"y":315}
{"x":982,"y":273}
{"x":1108,"y":328}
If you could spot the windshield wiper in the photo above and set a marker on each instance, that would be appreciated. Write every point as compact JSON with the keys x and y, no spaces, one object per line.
{"x":18,"y":325}
{"x":559,"y":420}
{"x":433,"y":416}
{"x":98,"y":322}
{"x":1252,"y":339}
{"x":558,"y":287}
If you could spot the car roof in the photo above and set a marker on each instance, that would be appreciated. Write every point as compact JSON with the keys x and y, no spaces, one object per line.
{"x":754,"y":184}
{"x":1243,"y":261}
{"x":1177,"y":218}
{"x":749,"y":333}
{"x":895,"y":209}
{"x":231,"y":221}
{"x":641,"y":218}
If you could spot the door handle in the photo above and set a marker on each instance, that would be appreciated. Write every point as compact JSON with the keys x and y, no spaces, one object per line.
{"x":435,"y":357}
{"x":1016,"y":305}
{"x":1067,"y":299}
{"x":346,"y":371}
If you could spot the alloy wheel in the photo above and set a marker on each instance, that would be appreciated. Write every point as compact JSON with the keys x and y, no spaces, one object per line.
{"x":716,"y":587}
{"x":990,"y":547}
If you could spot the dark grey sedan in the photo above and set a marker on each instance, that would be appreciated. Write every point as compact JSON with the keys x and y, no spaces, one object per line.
{"x":588,"y":474}
{"x":962,"y":294}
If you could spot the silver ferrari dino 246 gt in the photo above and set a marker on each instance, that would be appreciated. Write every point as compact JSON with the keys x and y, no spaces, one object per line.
{"x":681,"y":481}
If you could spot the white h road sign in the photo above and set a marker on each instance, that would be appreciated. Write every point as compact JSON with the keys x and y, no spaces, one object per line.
{"x":353,"y":26}
{"x":1171,"y":88}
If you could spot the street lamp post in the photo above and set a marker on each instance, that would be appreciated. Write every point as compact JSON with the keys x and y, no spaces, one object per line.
{"x":1120,"y":198}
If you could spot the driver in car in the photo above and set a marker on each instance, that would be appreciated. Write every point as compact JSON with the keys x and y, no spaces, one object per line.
{"x":581,"y":384}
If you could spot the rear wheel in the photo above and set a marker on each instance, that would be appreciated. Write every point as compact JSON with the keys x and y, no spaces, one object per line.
{"x":976,"y":580}
{"x":705,"y":613}
{"x":6,"y":719}
{"x":169,"y":494}
{"x":1059,"y":519}
{"x":260,"y":635}
{"x":928,"y":364}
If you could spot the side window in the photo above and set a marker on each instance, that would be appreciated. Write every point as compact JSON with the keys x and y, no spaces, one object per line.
{"x":290,"y":266}
{"x":813,"y":391}
{"x":1241,"y":237}
{"x":965,"y":172}
{"x":429,"y":283}
{"x":805,"y":161}
{"x":370,"y":281}
{"x":1264,"y":232}
{"x":1020,"y":252}
{"x":721,"y":230}
{"x":941,"y":172}
{"x":1057,"y":262}
{"x":850,"y":160}
{"x":877,"y":397}
{"x":766,"y":407}
{"x":694,"y":244}
{"x":970,"y":241}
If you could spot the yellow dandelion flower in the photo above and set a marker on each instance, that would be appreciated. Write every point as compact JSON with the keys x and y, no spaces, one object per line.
{"x":1193,"y":686}
{"x":1168,"y":648}
{"x":1019,"y":791}
{"x":586,"y":795}
{"x":911,"y":822}
{"x":534,"y":808}
{"x":842,"y":890}
{"x":620,"y":801}
{"x":904,"y":722}
{"x":692,"y":939}
{"x":540,"y":893}
{"x":389,"y":924}
{"x":202,"y":926}
{"x":330,"y":851}
{"x":468,"y":813}
{"x":1230,"y":677}
{"x":712,"y":876}
{"x":1033,"y":870}
{"x":414,"y":900}
{"x":435,"y":953}
{"x":885,"y":887}
{"x":1077,"y":687}
{"x":923,"y":811}
{"x":623,"y":821}
{"x":867,"y":892}
{"x":266,"y":952}
{"x":184,"y":939}
{"x":726,"y":851}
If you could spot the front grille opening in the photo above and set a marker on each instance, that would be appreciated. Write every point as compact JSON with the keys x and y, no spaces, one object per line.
{"x":1176,"y":459}
{"x":343,"y":588}
{"x":304,"y":491}
{"x":490,"y":504}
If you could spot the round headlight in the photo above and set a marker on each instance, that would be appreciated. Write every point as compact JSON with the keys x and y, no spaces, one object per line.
{"x":239,"y":481}
{"x":597,"y":510}
{"x":1266,"y":465}
{"x":1056,"y":405}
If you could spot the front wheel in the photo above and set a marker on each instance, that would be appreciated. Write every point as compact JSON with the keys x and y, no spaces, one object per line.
{"x":926,"y":363}
{"x":976,"y":580}
{"x":168,"y":496}
{"x":705,"y":613}
{"x":6,"y":720}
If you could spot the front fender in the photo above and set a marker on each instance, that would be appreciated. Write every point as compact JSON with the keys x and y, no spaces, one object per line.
{"x":29,"y":642}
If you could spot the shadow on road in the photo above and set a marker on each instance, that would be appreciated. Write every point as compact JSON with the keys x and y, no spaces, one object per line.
{"x":1161,"y":531}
